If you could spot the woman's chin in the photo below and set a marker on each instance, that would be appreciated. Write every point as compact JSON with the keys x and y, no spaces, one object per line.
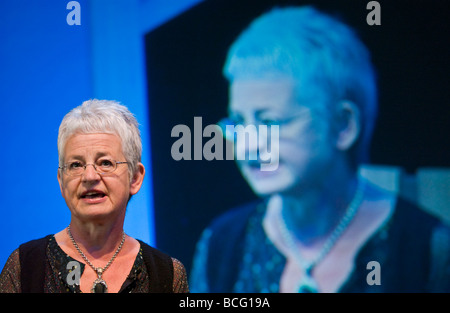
{"x":265,"y":183}
{"x":97,"y":212}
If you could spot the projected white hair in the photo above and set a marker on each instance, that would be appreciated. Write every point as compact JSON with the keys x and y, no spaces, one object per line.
{"x":314,"y":49}
{"x":103,"y":116}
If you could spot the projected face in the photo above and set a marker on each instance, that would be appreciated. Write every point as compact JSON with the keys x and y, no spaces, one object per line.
{"x":305,"y":144}
{"x":91,"y":195}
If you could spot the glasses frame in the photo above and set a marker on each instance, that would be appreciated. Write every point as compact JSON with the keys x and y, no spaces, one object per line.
{"x":64,"y":168}
{"x":222,"y":123}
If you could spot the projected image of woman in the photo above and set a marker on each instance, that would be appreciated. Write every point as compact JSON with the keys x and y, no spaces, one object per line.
{"x":318,"y":224}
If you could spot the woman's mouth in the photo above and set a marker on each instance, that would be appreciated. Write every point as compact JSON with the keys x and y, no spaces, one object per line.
{"x":93,"y":196}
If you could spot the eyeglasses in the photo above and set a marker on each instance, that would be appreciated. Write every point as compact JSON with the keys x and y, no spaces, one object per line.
{"x":101,"y":166}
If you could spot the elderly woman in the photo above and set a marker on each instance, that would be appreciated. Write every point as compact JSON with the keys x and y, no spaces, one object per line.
{"x":99,"y":148}
{"x":318,"y":227}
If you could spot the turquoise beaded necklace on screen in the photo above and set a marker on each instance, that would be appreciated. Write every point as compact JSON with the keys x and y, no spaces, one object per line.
{"x":307,"y":283}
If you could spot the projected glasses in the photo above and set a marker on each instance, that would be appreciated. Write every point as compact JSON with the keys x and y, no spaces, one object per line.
{"x":283,"y":123}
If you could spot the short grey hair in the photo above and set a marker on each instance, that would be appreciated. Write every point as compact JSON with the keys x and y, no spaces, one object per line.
{"x":103,"y":116}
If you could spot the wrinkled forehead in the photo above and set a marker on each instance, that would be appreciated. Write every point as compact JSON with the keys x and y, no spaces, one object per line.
{"x":275,"y":93}
{"x":79,"y":136}
{"x":81,"y":144}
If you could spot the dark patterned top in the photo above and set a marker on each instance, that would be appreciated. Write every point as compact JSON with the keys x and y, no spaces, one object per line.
{"x":137,"y":281}
{"x":234,"y":254}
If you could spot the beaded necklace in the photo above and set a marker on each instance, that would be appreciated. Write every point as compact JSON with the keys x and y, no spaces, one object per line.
{"x":307,"y":283}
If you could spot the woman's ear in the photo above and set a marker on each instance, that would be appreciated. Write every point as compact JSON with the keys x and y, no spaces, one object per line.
{"x":60,"y":178}
{"x":348,"y":123}
{"x":137,"y":179}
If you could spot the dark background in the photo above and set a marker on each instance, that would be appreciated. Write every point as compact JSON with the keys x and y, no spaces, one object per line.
{"x":185,"y":57}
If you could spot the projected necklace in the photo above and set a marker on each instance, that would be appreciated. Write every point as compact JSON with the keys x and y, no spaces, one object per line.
{"x":307,"y":283}
{"x":99,"y":285}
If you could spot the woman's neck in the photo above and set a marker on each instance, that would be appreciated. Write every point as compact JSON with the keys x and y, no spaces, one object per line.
{"x":97,"y":240}
{"x":313,"y":215}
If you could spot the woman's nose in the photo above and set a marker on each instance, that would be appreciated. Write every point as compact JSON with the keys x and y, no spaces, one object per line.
{"x":90,"y":173}
{"x":247,"y":142}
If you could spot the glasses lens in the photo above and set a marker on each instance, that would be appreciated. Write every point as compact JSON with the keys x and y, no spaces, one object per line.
{"x":227,"y":133}
{"x":74,"y":168}
{"x":105,"y":166}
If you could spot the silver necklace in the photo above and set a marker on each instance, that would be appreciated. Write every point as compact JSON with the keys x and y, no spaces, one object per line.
{"x":307,"y":283}
{"x":99,"y":285}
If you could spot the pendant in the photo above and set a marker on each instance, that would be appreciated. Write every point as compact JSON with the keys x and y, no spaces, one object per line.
{"x":99,"y":286}
{"x":307,"y":284}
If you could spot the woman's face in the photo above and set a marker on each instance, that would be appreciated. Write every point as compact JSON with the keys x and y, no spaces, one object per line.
{"x":306,"y":147}
{"x":93,"y":196}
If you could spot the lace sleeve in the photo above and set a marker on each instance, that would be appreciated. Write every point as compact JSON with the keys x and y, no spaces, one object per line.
{"x":180,"y":283}
{"x":198,"y":276}
{"x":440,"y":256}
{"x":10,"y":276}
